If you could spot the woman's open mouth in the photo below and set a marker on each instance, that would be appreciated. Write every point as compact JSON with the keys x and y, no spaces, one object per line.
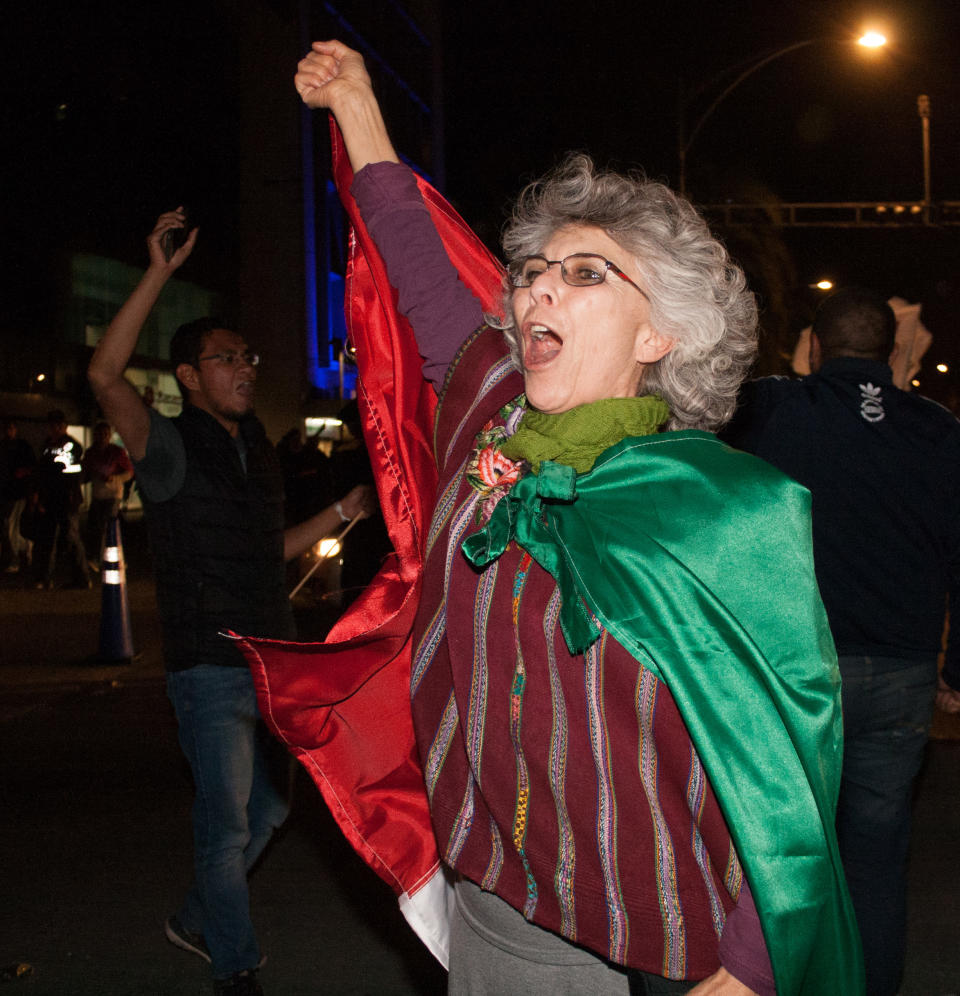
{"x":540,"y":345}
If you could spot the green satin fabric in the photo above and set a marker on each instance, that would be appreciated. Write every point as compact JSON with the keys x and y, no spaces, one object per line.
{"x":697,"y":558}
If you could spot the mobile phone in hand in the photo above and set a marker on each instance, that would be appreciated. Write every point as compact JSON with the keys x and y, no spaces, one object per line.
{"x":174,"y":238}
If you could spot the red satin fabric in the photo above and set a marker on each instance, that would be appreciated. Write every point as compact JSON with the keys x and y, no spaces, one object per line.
{"x":343,"y":706}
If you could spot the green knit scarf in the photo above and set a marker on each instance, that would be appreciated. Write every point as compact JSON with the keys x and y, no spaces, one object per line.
{"x":577,"y":437}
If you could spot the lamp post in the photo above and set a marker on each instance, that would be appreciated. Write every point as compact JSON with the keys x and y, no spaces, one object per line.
{"x":871,"y":39}
{"x":923,"y":109}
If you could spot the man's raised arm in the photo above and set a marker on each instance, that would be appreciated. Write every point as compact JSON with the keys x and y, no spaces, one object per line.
{"x":121,"y":404}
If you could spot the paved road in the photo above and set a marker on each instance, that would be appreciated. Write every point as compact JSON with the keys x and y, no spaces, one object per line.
{"x":95,"y":849}
{"x":95,"y":828}
{"x":95,"y":840}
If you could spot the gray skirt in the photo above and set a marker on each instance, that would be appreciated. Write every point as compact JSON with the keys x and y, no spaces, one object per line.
{"x":494,"y":950}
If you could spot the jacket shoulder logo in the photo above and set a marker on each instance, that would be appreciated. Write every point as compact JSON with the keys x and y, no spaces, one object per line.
{"x":871,"y":402}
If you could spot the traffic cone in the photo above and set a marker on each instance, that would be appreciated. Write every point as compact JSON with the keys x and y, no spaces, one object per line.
{"x":116,"y":637}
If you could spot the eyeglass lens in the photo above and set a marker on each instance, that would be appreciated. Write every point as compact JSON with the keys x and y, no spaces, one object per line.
{"x":578,"y":269}
{"x":231,"y":359}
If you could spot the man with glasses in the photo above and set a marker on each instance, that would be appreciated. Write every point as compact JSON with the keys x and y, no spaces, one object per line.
{"x":213,"y":493}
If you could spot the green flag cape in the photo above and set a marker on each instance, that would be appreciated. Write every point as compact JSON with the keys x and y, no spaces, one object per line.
{"x":697,"y":558}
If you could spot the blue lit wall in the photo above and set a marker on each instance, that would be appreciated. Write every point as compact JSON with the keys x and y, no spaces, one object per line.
{"x":386,"y":41}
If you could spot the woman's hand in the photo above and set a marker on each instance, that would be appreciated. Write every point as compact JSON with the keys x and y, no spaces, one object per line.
{"x":330,"y":71}
{"x":167,"y":222}
{"x":721,"y":983}
{"x":334,"y":76}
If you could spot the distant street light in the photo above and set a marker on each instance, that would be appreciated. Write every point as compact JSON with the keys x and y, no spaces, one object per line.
{"x":871,"y":39}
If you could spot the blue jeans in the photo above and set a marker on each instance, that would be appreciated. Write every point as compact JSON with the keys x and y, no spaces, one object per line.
{"x":887,"y":708}
{"x":240,"y":780}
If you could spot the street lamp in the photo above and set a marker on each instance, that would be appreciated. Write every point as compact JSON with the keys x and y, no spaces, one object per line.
{"x":923,"y":109}
{"x":871,"y":39}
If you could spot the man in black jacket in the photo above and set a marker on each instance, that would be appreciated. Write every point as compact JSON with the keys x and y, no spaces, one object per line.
{"x":883,"y":466}
{"x":213,"y":493}
{"x":56,"y":482}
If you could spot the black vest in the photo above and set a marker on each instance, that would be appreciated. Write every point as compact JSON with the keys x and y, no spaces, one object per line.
{"x":218,"y":545}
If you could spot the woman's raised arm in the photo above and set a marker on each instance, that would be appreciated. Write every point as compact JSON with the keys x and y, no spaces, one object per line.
{"x":441,"y":310}
{"x":334,"y":76}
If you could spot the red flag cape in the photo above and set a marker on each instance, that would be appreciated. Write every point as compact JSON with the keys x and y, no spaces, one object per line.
{"x":342,"y":707}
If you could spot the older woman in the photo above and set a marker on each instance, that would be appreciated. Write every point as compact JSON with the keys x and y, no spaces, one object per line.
{"x":624,"y":692}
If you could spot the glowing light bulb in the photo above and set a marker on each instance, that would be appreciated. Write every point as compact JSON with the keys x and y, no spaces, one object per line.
{"x":327,"y":548}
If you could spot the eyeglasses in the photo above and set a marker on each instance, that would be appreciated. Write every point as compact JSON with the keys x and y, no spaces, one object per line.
{"x":579,"y":269}
{"x":246,"y":358}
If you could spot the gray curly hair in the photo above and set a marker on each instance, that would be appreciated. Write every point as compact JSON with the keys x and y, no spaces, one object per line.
{"x":698,"y":295}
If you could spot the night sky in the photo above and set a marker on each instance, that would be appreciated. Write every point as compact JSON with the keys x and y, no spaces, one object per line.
{"x":828,"y":122}
{"x":114,"y":112}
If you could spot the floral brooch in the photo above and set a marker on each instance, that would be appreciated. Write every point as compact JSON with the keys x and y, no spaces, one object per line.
{"x":488,"y":470}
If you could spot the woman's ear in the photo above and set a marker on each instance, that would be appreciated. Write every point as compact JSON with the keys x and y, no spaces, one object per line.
{"x":652,"y":345}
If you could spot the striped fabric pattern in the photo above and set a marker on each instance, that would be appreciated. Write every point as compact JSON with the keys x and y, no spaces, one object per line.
{"x":440,"y":746}
{"x":446,"y":502}
{"x":696,"y":796}
{"x":495,"y":866}
{"x":462,"y":825}
{"x":477,"y":712}
{"x":516,"y":715}
{"x":607,"y":821}
{"x":429,"y":643}
{"x":671,"y":912}
{"x":566,"y":784}
{"x":493,"y":378}
{"x":566,"y":849}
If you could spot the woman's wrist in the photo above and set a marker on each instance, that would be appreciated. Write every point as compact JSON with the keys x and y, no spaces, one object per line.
{"x":338,"y":507}
{"x":364,"y":132}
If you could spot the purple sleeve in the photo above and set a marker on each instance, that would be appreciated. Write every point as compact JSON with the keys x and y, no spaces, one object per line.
{"x":442,"y":311}
{"x":743,"y":952}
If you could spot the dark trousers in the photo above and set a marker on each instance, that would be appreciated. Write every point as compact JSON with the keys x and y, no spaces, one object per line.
{"x":60,"y":534}
{"x":887,"y":708}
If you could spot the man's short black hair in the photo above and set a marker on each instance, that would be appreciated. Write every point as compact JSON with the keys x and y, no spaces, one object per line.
{"x":56,"y":417}
{"x":855,"y":321}
{"x":188,"y":342}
